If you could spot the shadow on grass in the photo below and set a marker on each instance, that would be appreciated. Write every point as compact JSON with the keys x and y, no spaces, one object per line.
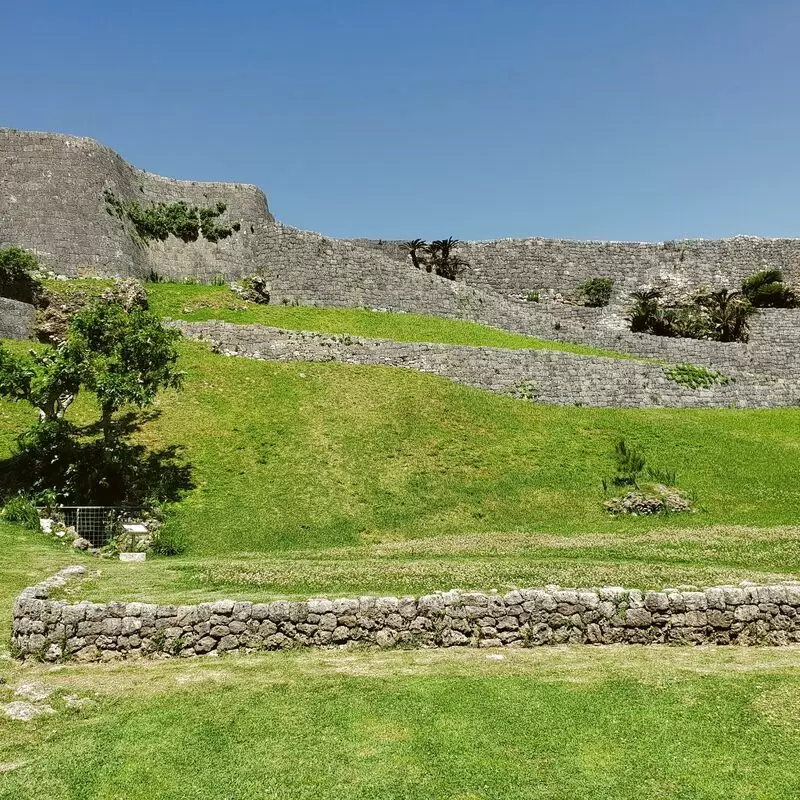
{"x":79,"y":468}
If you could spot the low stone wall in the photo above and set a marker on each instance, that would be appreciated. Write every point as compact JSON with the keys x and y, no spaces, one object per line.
{"x":16,"y":319}
{"x":53,"y":630}
{"x":548,"y":376}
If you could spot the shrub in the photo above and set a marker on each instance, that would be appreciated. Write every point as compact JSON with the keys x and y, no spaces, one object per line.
{"x":22,"y":510}
{"x":436,"y":256}
{"x":766,"y":289}
{"x":532,"y":297}
{"x":16,"y":279}
{"x":596,"y":293}
{"x":160,"y":220}
{"x":167,"y":541}
{"x":721,"y":316}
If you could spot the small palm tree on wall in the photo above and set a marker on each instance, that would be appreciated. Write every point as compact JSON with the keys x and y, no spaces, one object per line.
{"x":414,"y":248}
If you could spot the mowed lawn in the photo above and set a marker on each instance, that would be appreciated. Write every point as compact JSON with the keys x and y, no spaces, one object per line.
{"x":558,"y":723}
{"x":339,"y":480}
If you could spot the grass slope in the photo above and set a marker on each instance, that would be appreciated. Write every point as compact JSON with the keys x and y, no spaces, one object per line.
{"x":324,"y":477}
{"x":197,"y":303}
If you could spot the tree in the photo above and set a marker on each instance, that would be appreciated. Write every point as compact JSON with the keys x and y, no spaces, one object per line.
{"x":123,"y":357}
{"x":16,"y":279}
{"x":727,"y":314}
{"x":414,"y":248}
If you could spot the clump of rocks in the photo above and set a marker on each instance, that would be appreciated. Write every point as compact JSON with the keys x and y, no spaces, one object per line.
{"x":56,"y":309}
{"x":659,"y":499}
{"x":253,"y":289}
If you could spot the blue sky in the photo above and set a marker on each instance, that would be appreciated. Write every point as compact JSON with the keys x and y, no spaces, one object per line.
{"x":591,"y":119}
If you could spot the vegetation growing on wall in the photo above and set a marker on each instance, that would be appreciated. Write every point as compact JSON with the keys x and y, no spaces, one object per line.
{"x":694,"y":377}
{"x":766,"y":289}
{"x":720,"y":316}
{"x":437,"y":256}
{"x":160,"y":220}
{"x":596,"y":293}
{"x":17,"y":281}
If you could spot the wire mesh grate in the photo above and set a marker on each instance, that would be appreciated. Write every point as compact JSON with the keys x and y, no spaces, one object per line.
{"x":98,"y":524}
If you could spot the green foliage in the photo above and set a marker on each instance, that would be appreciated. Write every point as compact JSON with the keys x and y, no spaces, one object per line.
{"x":695,"y":377}
{"x":123,"y":357}
{"x":21,"y":509}
{"x":219,"y":280}
{"x":16,"y":279}
{"x":596,"y":292}
{"x":630,"y":462}
{"x":160,"y":220}
{"x":721,"y":315}
{"x":766,"y":289}
{"x":168,"y":541}
{"x":437,"y":256}
{"x":727,"y":314}
{"x":532,"y":297}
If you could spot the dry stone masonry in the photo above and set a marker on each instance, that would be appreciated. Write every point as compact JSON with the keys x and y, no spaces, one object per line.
{"x":54,"y":630}
{"x":16,"y":319}
{"x":548,"y":376}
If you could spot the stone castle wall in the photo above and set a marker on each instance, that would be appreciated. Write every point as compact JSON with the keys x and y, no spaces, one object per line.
{"x":547,"y":376}
{"x":51,"y":202}
{"x":16,"y":319}
{"x":54,"y":630}
{"x":559,"y":266}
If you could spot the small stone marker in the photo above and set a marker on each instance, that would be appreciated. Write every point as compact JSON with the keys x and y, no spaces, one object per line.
{"x":46,"y":525}
{"x":133,"y":556}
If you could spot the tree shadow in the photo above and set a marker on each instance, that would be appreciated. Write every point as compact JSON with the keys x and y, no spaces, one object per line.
{"x":78,"y":468}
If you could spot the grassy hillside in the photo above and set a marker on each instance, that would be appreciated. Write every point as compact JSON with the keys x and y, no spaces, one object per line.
{"x":312,"y":456}
{"x":198,"y":303}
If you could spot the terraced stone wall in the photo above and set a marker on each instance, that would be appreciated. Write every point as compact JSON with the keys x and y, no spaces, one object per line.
{"x":54,"y":630}
{"x":547,"y":376}
{"x":16,"y":319}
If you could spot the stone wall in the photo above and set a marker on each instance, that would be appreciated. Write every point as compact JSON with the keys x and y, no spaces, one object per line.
{"x":548,"y":376}
{"x":51,"y":202}
{"x":54,"y":630}
{"x":16,"y":319}
{"x":560,"y":266}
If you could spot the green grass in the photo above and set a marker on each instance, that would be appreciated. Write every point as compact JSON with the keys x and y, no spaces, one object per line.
{"x":328,"y":455}
{"x":561,"y":724}
{"x":198,"y":303}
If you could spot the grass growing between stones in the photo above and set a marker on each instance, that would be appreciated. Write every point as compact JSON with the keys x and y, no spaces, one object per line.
{"x":198,"y":303}
{"x":559,"y":723}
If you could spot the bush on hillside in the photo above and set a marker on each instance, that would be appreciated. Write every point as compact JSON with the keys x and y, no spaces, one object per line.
{"x":17,"y":281}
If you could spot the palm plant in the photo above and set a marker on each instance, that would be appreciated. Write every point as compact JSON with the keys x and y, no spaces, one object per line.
{"x":413,"y":248}
{"x":727,"y":313}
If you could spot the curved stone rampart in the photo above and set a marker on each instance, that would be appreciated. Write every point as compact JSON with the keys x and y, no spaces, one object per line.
{"x":54,"y":630}
{"x":16,"y":319}
{"x":51,"y":202}
{"x":549,"y":376}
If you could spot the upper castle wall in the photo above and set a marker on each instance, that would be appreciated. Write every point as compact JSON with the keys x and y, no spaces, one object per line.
{"x":51,"y":202}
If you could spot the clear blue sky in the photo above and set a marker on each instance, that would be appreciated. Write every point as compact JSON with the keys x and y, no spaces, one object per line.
{"x":592,"y":119}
